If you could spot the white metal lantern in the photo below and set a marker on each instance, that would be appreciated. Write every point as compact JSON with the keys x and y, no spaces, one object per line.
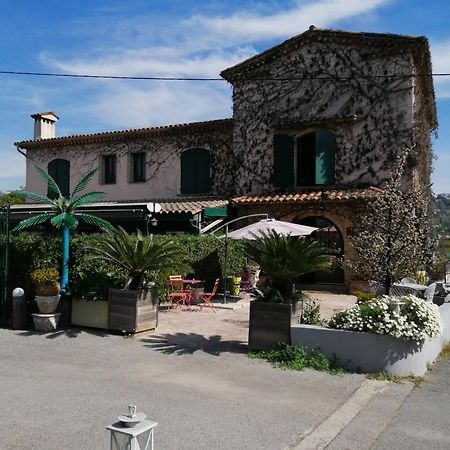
{"x":132,"y":432}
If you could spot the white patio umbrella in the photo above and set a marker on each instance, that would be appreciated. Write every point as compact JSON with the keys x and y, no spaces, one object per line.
{"x":256,"y":229}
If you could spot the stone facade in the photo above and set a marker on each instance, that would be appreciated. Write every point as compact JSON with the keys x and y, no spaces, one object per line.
{"x":327,"y":79}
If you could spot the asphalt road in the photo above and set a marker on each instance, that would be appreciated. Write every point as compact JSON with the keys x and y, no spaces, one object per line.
{"x":423,"y":420}
{"x":60,"y":391}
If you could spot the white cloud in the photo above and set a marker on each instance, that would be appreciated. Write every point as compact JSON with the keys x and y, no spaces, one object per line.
{"x":249,"y":26}
{"x":162,"y":103}
{"x":200,"y":46}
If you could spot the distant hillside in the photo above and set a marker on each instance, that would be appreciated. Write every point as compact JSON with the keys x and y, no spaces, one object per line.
{"x":441,"y":209}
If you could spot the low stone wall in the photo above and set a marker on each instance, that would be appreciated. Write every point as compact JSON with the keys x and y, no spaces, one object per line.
{"x":368,"y":352}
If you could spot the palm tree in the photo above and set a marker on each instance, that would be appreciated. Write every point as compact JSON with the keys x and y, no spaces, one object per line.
{"x":64,"y":214}
{"x":137,"y":255}
{"x":284,"y":258}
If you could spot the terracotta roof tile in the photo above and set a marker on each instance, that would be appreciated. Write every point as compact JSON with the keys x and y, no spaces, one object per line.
{"x":310,"y":196}
{"x":127,"y":134}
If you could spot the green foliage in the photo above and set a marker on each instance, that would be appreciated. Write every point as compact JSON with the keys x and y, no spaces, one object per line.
{"x":91,"y":279}
{"x":137,"y":255}
{"x":295,"y":357}
{"x":363,"y":297}
{"x":311,"y":313}
{"x":11,"y":198}
{"x":64,"y":209}
{"x":269,"y":294}
{"x":284,"y":258}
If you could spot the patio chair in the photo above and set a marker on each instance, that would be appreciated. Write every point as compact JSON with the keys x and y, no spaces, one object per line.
{"x":408,"y":280}
{"x":254,"y":275}
{"x":207,"y":296}
{"x":177,"y":295}
{"x":429,"y":292}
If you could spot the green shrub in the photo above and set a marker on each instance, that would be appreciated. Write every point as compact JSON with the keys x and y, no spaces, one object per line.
{"x":297,"y":358}
{"x":311,"y":313}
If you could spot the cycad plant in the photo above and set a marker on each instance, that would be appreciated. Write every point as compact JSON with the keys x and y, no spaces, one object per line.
{"x":137,"y":255}
{"x":284,"y":258}
{"x":64,"y":214}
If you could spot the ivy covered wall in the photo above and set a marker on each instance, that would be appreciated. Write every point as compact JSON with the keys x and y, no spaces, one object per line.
{"x":329,"y":83}
{"x":162,"y":153}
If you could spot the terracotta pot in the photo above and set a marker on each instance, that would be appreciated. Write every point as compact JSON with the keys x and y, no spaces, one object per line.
{"x":47,"y":304}
{"x":48,"y":289}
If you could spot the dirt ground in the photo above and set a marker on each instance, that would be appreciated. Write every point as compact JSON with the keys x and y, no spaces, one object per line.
{"x":226,"y":328}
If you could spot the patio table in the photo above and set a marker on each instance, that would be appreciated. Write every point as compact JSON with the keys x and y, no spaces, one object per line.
{"x":189,"y":284}
{"x":416,"y":286}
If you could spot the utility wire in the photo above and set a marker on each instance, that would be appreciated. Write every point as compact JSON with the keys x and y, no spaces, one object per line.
{"x":301,"y":78}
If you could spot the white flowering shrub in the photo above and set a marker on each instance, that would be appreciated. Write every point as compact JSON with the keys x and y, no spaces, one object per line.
{"x":417,"y":320}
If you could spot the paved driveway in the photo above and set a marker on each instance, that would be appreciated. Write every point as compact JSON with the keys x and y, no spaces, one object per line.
{"x":60,"y":391}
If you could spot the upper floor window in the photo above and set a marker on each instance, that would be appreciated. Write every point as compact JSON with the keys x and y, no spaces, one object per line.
{"x":306,"y":160}
{"x":195,"y":171}
{"x":108,"y":169}
{"x":137,"y":167}
{"x":59,"y":170}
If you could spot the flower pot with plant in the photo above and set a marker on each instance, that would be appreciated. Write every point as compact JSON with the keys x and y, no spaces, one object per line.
{"x":47,"y":289}
{"x":283,"y":259}
{"x":135,"y":307}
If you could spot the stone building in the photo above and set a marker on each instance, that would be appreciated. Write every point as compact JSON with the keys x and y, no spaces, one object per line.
{"x":318,"y":122}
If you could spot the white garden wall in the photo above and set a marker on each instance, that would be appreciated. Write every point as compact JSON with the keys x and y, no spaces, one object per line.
{"x":369,"y":352}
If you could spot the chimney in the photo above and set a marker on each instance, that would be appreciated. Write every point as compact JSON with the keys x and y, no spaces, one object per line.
{"x":44,"y":125}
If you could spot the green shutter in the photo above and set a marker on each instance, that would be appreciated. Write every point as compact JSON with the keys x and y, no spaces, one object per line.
{"x":325,"y":157}
{"x":59,"y":170}
{"x":195,"y":171}
{"x":283,"y":160}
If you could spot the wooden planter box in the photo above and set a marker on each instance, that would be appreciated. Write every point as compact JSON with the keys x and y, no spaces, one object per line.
{"x":90,"y":313}
{"x":133,"y":311}
{"x":270,"y":324}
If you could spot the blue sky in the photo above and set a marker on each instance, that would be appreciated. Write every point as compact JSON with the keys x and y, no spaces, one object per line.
{"x":174,"y":38}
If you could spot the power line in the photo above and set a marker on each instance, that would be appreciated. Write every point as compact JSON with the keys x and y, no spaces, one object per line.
{"x":301,"y":78}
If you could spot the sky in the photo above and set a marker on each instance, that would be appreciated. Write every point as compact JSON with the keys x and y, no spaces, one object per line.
{"x":174,"y":38}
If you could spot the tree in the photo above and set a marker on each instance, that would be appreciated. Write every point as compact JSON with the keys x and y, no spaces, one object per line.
{"x":64,"y":214}
{"x":284,"y":258}
{"x":11,"y":198}
{"x":137,"y":255}
{"x":394,"y":237}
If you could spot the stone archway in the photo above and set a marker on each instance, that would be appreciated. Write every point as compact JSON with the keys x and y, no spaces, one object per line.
{"x":329,"y":234}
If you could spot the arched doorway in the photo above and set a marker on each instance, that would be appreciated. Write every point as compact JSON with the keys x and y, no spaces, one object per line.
{"x":329,"y":235}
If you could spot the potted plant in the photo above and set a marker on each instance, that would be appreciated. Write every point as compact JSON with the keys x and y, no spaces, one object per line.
{"x":47,"y":289}
{"x":135,"y":307}
{"x":283,"y":259}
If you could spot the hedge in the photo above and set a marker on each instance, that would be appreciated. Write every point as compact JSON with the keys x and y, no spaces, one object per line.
{"x":91,"y":279}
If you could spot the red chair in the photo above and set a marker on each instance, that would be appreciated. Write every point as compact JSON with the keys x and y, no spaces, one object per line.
{"x":177,"y":294}
{"x":207,"y":296}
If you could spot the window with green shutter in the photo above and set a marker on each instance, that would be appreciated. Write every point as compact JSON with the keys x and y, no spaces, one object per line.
{"x":307,"y":160}
{"x":195,"y":171}
{"x":108,"y":169}
{"x":59,"y":170}
{"x":283,"y":160}
{"x":137,"y":167}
